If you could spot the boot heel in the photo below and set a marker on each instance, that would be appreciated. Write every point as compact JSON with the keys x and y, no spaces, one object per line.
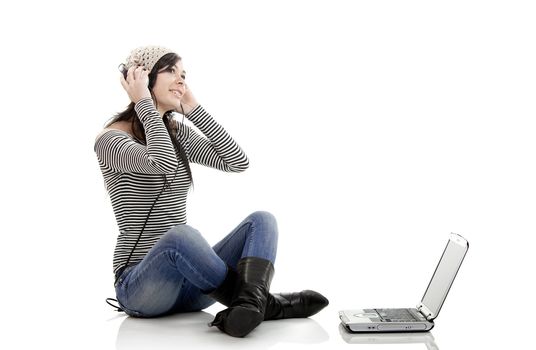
{"x":240,"y":321}
{"x":248,"y":305}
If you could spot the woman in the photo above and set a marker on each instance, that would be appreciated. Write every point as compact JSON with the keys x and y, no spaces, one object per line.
{"x":162,"y":265}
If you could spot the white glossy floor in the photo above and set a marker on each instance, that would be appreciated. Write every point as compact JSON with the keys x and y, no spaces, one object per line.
{"x":481,"y":312}
{"x":82,"y":330}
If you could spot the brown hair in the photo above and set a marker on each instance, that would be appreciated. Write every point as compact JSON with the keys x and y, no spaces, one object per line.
{"x":129,"y":114}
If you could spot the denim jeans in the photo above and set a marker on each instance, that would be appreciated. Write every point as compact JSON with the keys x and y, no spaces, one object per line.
{"x":181,"y":267}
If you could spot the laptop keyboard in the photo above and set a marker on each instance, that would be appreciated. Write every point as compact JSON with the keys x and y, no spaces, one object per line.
{"x":396,"y":315}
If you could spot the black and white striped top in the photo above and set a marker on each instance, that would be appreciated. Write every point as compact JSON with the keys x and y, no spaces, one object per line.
{"x":134,"y":174}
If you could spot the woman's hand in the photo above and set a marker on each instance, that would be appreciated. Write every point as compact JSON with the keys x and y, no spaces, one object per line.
{"x":188,"y":101}
{"x":136,"y":83}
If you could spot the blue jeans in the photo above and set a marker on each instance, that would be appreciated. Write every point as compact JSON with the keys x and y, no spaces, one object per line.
{"x":181,"y":267}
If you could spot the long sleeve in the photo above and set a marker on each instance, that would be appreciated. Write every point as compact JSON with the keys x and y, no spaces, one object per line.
{"x":117,"y":151}
{"x":217,"y":149}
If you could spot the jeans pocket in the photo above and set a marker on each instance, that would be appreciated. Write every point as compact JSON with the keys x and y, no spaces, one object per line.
{"x":122,"y":276}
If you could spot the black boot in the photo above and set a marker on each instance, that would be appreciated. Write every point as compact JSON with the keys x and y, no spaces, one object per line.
{"x":249,"y":300}
{"x":224,"y":293}
{"x":294,"y":305}
{"x":278,"y":306}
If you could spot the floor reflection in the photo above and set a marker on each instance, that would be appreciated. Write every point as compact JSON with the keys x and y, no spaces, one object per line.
{"x":190,"y":329}
{"x":389,"y":338}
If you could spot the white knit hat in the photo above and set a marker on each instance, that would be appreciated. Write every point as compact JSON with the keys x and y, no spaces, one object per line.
{"x":146,"y":56}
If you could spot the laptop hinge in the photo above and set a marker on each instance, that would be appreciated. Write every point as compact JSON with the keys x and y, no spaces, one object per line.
{"x":425,"y":312}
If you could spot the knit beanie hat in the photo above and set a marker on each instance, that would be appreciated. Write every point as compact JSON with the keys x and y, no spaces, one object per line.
{"x":146,"y":56}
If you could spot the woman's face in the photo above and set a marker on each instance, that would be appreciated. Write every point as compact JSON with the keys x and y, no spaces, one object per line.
{"x":169,"y":87}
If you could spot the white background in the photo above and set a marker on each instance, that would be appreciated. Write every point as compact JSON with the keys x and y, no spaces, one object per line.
{"x":373,"y":128}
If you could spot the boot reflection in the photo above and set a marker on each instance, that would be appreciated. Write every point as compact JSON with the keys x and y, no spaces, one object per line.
{"x":190,"y":330}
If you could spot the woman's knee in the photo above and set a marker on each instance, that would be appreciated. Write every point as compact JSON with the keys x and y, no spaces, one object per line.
{"x":264,"y":218}
{"x":266,"y":224}
{"x":182,"y":235}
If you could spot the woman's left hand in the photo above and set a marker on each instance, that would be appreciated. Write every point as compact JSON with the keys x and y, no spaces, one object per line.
{"x":188,"y":102}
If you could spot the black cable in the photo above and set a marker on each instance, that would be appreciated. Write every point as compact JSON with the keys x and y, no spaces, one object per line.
{"x":118,"y":308}
{"x":166,"y":184}
{"x":121,"y":269}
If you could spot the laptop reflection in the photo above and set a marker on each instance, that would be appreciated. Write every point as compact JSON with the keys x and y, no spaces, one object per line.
{"x":425,"y":338}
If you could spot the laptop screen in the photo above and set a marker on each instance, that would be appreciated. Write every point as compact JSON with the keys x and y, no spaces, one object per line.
{"x":444,"y":274}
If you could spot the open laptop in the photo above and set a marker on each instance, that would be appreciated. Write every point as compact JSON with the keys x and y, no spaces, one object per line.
{"x":420,"y":319}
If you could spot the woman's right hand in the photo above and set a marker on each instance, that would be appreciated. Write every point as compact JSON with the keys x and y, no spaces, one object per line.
{"x":136,"y":83}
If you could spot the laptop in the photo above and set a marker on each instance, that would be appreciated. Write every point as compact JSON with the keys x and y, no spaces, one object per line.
{"x":421,"y":318}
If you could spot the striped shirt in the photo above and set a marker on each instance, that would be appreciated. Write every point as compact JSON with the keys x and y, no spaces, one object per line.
{"x":134,"y":174}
